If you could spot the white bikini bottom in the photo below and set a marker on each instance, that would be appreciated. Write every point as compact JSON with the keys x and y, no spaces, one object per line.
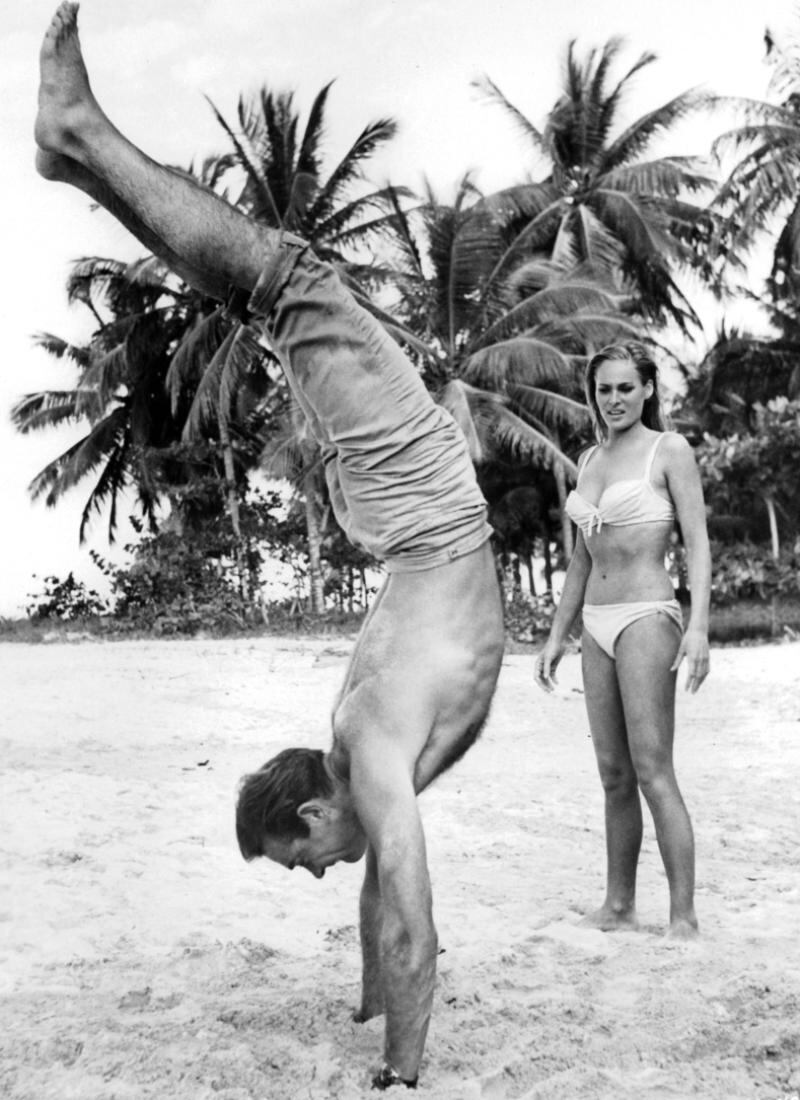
{"x":606,"y":621}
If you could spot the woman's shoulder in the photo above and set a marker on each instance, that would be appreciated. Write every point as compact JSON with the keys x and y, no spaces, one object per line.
{"x":675,"y":452}
{"x":674,"y":443}
{"x":586,"y":454}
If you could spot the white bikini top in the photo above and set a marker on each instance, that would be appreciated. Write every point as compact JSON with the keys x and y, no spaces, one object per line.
{"x":622,"y":503}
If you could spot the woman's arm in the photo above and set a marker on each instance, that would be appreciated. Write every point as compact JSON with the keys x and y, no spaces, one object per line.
{"x":683,"y":483}
{"x":567,"y":611}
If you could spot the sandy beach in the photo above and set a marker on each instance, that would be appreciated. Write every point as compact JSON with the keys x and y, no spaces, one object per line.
{"x":142,"y":957}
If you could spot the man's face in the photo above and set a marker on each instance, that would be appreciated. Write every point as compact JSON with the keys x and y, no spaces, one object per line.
{"x":333,"y":836}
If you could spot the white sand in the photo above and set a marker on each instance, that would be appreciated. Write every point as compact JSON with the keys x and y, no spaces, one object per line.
{"x":141,"y":957}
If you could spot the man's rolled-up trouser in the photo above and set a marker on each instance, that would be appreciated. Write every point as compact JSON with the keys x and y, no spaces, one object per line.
{"x":401,"y":481}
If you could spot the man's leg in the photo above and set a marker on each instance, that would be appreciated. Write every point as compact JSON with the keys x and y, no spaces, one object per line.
{"x":401,"y":481}
{"x":54,"y":166}
{"x":193,"y":229}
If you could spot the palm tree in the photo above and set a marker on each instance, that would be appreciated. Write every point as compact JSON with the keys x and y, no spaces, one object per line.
{"x":503,"y":336}
{"x":284,"y":182}
{"x":739,"y":373}
{"x":279,"y":181}
{"x":600,"y":202}
{"x":120,"y":392}
{"x":764,"y":185}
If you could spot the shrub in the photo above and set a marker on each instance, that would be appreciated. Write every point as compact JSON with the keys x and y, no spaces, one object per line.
{"x":173,"y":587}
{"x":745,"y":570}
{"x":65,"y":600}
{"x":527,"y":618}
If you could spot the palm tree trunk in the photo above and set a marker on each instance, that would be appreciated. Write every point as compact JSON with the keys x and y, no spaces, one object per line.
{"x":776,"y":553}
{"x":560,"y":475}
{"x":566,"y":524}
{"x":516,"y":577}
{"x":773,"y":527}
{"x":314,"y":534}
{"x":548,"y":562}
{"x":232,"y":501}
{"x":531,"y":579}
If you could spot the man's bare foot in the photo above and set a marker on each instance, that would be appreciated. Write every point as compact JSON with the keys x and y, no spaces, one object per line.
{"x":62,"y":169}
{"x":66,"y":103}
{"x":608,"y":919}
{"x":683,"y":928}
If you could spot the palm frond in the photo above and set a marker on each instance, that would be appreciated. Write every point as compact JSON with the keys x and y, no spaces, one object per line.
{"x":491,"y":91}
{"x":595,"y":245}
{"x":258,"y":182}
{"x":350,"y":167}
{"x":106,"y":492}
{"x":291,"y":451}
{"x":242,"y":361}
{"x":193,"y":355}
{"x":61,"y":349}
{"x":560,"y":300}
{"x":670,"y":176}
{"x":454,"y":397}
{"x":523,"y":442}
{"x":638,"y":137}
{"x":205,"y":407}
{"x":80,"y":459}
{"x":352,"y":222}
{"x":515,"y":359}
{"x":235,"y":357}
{"x":396,"y":329}
{"x":758,"y":114}
{"x":308,"y":161}
{"x":614,"y":98}
{"x":521,"y":202}
{"x":46,"y":409}
{"x":588,"y":330}
{"x":786,"y":257}
{"x":92,"y":276}
{"x":635,"y":224}
{"x":549,"y":407}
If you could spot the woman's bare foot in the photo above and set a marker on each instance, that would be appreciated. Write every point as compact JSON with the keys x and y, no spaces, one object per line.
{"x":683,"y":928}
{"x":67,"y":106}
{"x":609,"y":919}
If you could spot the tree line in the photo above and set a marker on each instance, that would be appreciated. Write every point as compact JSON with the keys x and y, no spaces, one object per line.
{"x":498,"y":298}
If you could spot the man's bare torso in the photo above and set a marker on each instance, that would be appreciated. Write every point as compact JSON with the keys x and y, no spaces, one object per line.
{"x":425,"y":666}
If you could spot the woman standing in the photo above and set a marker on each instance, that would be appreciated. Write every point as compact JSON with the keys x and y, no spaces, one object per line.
{"x":632,"y":486}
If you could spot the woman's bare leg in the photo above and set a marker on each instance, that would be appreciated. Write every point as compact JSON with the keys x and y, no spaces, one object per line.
{"x":193,"y":227}
{"x":644,"y":652}
{"x":623,"y":810}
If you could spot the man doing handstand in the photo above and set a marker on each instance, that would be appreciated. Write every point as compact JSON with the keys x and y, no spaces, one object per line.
{"x":425,"y":665}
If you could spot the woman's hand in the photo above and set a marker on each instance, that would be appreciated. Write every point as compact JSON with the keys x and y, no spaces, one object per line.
{"x":694,"y":647}
{"x":546,"y":664}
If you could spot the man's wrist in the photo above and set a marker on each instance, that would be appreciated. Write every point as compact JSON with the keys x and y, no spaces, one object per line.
{"x":389,"y":1076}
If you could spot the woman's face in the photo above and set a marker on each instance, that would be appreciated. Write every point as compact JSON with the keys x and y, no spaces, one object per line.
{"x":620,"y":394}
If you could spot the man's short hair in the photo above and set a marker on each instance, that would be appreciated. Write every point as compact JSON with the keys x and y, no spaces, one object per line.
{"x":269,"y":798}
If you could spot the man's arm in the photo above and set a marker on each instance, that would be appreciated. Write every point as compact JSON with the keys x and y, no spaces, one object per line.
{"x":371,"y":920}
{"x":383,"y":793}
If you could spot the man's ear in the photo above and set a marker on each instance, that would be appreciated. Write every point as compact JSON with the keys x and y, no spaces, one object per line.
{"x":312,"y":810}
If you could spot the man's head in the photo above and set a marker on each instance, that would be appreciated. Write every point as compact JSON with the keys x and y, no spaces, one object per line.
{"x":294,"y":812}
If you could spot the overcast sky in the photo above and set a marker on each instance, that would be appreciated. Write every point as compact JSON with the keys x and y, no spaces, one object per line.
{"x":152,"y":62}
